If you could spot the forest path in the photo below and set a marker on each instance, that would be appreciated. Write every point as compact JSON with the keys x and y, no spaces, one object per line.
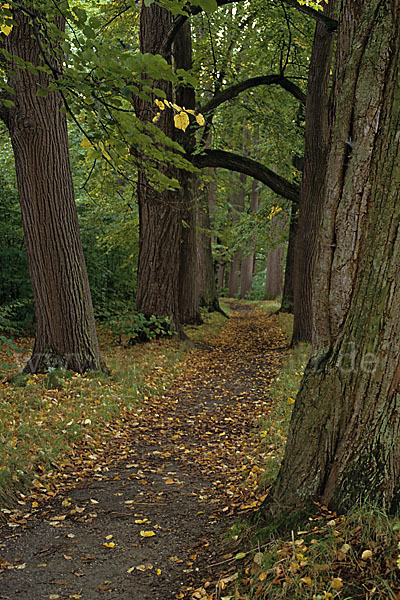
{"x":145,"y":526}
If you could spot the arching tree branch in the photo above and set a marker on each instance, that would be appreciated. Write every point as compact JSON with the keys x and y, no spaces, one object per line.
{"x":248,"y":166}
{"x":331,"y":24}
{"x":235,"y":90}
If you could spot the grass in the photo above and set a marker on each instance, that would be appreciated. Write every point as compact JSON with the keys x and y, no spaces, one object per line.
{"x":47,"y":419}
{"x":355,"y":556}
{"x":350,"y":557}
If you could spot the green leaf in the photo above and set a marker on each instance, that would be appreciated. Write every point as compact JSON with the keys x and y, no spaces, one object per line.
{"x":240,"y":555}
{"x":208,"y":5}
{"x":42,"y":92}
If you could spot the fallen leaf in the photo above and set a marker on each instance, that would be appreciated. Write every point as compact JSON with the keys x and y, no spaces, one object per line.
{"x":337,"y":583}
{"x":147,"y":534}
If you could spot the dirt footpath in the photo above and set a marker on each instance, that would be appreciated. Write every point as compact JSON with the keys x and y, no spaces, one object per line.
{"x":146,"y":524}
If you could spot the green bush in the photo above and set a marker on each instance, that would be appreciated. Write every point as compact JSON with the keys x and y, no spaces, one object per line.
{"x":132,"y":327}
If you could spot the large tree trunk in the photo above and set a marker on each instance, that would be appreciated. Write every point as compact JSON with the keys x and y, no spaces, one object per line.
{"x":65,"y":326}
{"x":344,"y":439}
{"x":167,"y":278}
{"x":160,"y":229}
{"x":313,"y":181}
{"x":188,"y":275}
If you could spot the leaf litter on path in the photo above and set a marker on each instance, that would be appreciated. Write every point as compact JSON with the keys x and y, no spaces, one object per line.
{"x":163,"y":492}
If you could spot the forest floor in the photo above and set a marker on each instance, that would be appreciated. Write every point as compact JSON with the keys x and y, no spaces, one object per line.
{"x":144,"y":519}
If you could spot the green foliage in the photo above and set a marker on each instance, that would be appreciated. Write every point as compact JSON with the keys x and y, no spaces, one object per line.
{"x":133,"y":327}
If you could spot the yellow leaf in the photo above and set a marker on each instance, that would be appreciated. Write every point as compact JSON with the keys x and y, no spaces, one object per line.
{"x":169,"y":481}
{"x":140,"y":521}
{"x":147,"y":534}
{"x":85,"y":143}
{"x":290,"y":401}
{"x":181,"y":121}
{"x":109,"y":544}
{"x":190,"y":111}
{"x":337,"y":583}
{"x":306,"y":580}
{"x":35,"y":504}
{"x":159,"y":571}
{"x":108,"y":537}
{"x":262,"y":575}
{"x":200,"y":120}
{"x":6,"y":29}
{"x":240,"y":555}
{"x":160,"y":104}
{"x":156,"y":118}
{"x":366,"y":554}
{"x":167,"y":103}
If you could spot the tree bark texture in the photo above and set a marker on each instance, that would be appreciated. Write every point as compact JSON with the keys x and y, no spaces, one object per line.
{"x":287,"y":305}
{"x":160,"y":222}
{"x":65,"y":326}
{"x":313,"y":181}
{"x":167,"y":279}
{"x":188,"y":275}
{"x":344,"y":440}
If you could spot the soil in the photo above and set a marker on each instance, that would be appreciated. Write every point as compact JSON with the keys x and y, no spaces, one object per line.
{"x":147,"y":523}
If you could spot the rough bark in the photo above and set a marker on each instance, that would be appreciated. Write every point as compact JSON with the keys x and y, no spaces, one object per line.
{"x":287,"y":305}
{"x":188,"y":275}
{"x":344,"y":440}
{"x":160,"y":222}
{"x":313,"y":181}
{"x":65,"y":326}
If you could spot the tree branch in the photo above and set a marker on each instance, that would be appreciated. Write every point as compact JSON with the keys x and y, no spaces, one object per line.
{"x":248,"y":166}
{"x":330,"y":24}
{"x":235,"y":90}
{"x":318,"y":15}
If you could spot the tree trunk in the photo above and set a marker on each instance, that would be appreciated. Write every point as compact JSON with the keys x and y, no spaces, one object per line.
{"x":238,"y":200}
{"x":167,"y":279}
{"x":65,"y":326}
{"x":287,"y":305}
{"x":344,"y":440}
{"x":234,"y":272}
{"x":274,"y":282}
{"x":160,"y":228}
{"x":248,"y":261}
{"x":207,"y":287}
{"x":188,"y":275}
{"x":313,"y":181}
